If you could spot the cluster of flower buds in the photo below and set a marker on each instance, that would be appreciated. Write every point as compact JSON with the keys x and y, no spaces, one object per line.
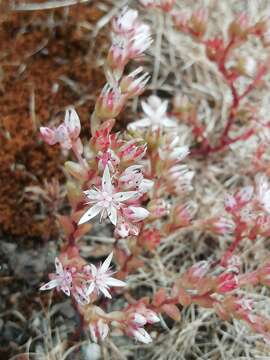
{"x":82,"y":281}
{"x":130,"y":38}
{"x":194,"y":24}
{"x":249,"y":208}
{"x":137,"y":316}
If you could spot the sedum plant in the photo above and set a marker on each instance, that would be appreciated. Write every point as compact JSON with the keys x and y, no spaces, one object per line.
{"x":137,"y":180}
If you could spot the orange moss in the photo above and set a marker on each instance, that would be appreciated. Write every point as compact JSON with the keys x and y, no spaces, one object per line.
{"x":44,"y":68}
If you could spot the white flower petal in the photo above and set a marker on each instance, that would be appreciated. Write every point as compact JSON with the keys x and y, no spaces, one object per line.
{"x":112,"y":213}
{"x":51,"y":284}
{"x":94,"y":270}
{"x":65,"y":289}
{"x":92,"y":194}
{"x":106,"y":181}
{"x":58,"y":266}
{"x":103,"y":329}
{"x":90,"y":214}
{"x":123,"y":196}
{"x":145,"y":122}
{"x":110,"y":281}
{"x":142,"y":335}
{"x":105,"y":292}
{"x":147,"y":109}
{"x":105,"y":266}
{"x":90,"y":288}
{"x":168,"y":122}
{"x":92,"y":328}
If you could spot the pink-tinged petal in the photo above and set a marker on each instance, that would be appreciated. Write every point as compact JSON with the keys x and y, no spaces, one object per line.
{"x":123,"y":196}
{"x":90,"y":214}
{"x":105,"y":292}
{"x":58,"y":266}
{"x":50,"y":285}
{"x":105,"y":266}
{"x":110,"y":281}
{"x":136,"y":213}
{"x":112,"y":213}
{"x":106,"y":181}
{"x":151,"y":317}
{"x":48,"y":135}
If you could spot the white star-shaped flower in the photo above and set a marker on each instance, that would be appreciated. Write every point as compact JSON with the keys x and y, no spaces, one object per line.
{"x":62,"y":279}
{"x":105,"y":201}
{"x":101,"y":278}
{"x":156,"y":116}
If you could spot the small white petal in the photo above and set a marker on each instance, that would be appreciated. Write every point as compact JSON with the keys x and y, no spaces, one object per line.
{"x":92,"y":194}
{"x":140,"y":124}
{"x":112,"y":213}
{"x":106,"y":181}
{"x":142,"y":335}
{"x":90,"y":214}
{"x":114,"y":282}
{"x":94,"y":270}
{"x":51,"y":284}
{"x":92,"y":329}
{"x":58,"y":266}
{"x":103,"y":329}
{"x":65,"y":289}
{"x":105,"y":266}
{"x":122,"y":196}
{"x":105,"y":292}
{"x":90,"y":289}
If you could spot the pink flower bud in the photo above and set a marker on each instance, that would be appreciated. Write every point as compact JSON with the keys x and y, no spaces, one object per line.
{"x":239,"y":27}
{"x":135,"y":213}
{"x":98,"y":330}
{"x":226,"y":282}
{"x":110,"y":102}
{"x":72,"y":123}
{"x":215,"y":48}
{"x":117,"y":58}
{"x":198,"y":22}
{"x":126,"y":21}
{"x":134,"y":84}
